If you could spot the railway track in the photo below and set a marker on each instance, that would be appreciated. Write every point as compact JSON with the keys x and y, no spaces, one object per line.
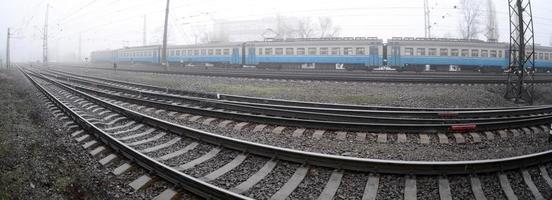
{"x":348,"y":120}
{"x":220,"y":167}
{"x":349,"y":77}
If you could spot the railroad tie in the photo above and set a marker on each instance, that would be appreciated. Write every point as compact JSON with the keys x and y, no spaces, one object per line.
{"x":341,"y":135}
{"x":97,"y":150}
{"x":183,"y":116}
{"x":424,"y":138}
{"x":545,"y":176}
{"x":516,"y":132}
{"x":226,"y":168}
{"x":255,"y":178}
{"x":443,"y":139}
{"x":291,"y":184}
{"x":459,"y":138}
{"x":240,"y":126}
{"x":531,"y":185}
{"x":382,"y":138}
{"x":141,"y":182}
{"x":161,"y":146}
{"x":184,"y":150}
{"x":167,"y":194}
{"x":108,"y":159}
{"x":158,"y":112}
{"x":503,"y":133}
{"x":410,"y":188}
{"x":122,"y":168}
{"x":298,"y":132}
{"x":224,"y":123}
{"x":401,"y":138}
{"x":259,"y":128}
{"x":360,"y":136}
{"x":371,"y":188}
{"x":318,"y":134}
{"x":476,"y":137}
{"x":506,"y":187}
{"x":489,"y":135}
{"x":444,"y":189}
{"x":526,"y":131}
{"x":278,"y":130}
{"x":332,"y":185}
{"x":476,"y":188}
{"x":195,"y":118}
{"x":205,"y":157}
{"x":208,"y":121}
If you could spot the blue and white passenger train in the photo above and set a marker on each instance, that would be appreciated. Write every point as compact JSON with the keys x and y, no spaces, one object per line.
{"x":360,"y":53}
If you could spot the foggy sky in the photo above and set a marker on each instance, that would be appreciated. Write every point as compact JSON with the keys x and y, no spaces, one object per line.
{"x":104,"y":24}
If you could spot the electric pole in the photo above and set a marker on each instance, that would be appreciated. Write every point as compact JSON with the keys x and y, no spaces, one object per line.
{"x":8,"y":50}
{"x":164,"y":51}
{"x":45,"y":39}
{"x":427,"y":20}
{"x":521,"y":68}
{"x":144,"y":33}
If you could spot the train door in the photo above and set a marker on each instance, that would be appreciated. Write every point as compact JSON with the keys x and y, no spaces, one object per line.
{"x":235,"y":56}
{"x":394,"y":58}
{"x":374,"y":56}
{"x":251,"y":56}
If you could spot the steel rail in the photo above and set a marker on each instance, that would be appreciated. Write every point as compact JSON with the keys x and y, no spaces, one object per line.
{"x":304,"y":106}
{"x":167,"y":173}
{"x":334,"y":125}
{"x":332,"y":161}
{"x":276,"y":101}
{"x":349,"y":115}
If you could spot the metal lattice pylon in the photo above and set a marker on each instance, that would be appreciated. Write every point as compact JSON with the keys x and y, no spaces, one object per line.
{"x":521,"y":68}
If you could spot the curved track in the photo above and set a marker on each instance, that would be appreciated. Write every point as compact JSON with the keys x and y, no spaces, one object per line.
{"x":296,"y":166}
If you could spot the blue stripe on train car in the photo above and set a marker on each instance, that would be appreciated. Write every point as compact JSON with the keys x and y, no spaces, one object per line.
{"x":218,"y":59}
{"x":543,"y":63}
{"x":363,"y":60}
{"x":441,"y":60}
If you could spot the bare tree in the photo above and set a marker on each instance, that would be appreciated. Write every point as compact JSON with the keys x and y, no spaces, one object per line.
{"x":492,"y":26}
{"x":284,"y":29}
{"x":470,"y":21}
{"x":327,"y":27}
{"x":305,"y":28}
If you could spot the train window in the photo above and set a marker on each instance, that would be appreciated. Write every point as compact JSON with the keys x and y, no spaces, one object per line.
{"x":454,"y":52}
{"x":218,"y":52}
{"x":374,"y":51}
{"x":210,"y":52}
{"x":465,"y":53}
{"x":432,"y":52}
{"x":547,"y":56}
{"x":348,"y":51}
{"x":260,"y":51}
{"x":360,"y":51}
{"x":204,"y":52}
{"x":312,"y":51}
{"x":196,"y":52}
{"x":500,"y":53}
{"x":336,"y":51}
{"x":408,"y":51}
{"x":190,"y":52}
{"x":289,"y":51}
{"x":279,"y":51}
{"x":492,"y":54}
{"x":300,"y":51}
{"x":226,"y":51}
{"x":178,"y":52}
{"x":420,"y":51}
{"x":444,"y":52}
{"x":324,"y":51}
{"x":484,"y":53}
{"x":268,"y":51}
{"x":541,"y":56}
{"x":475,"y":53}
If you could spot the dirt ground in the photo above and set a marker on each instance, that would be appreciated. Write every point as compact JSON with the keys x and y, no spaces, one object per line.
{"x":38,"y":159}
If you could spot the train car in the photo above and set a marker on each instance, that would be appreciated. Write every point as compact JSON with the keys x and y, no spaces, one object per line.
{"x":440,"y":54}
{"x":319,"y":53}
{"x":142,"y":54}
{"x":543,"y":58}
{"x":109,"y":56}
{"x":218,"y":54}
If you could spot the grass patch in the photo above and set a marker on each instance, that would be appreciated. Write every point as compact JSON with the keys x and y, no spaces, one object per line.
{"x":365,"y":99}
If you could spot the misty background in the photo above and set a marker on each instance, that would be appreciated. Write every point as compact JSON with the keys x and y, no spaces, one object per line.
{"x":111,"y":24}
